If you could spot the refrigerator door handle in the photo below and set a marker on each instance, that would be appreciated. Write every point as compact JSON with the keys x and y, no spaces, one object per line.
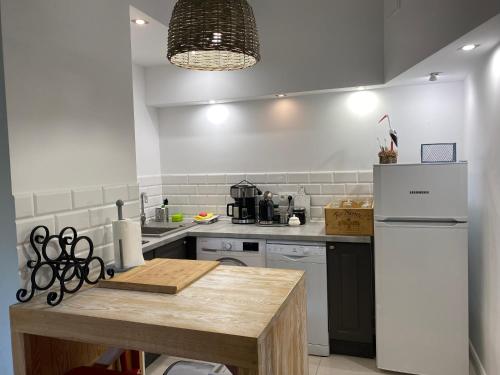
{"x":437,"y":224}
{"x":409,"y":219}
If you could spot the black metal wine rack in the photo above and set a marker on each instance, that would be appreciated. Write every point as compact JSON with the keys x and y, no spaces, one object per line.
{"x":60,"y":264}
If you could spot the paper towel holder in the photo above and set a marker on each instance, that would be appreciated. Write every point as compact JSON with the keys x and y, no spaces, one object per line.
{"x":66,"y":268}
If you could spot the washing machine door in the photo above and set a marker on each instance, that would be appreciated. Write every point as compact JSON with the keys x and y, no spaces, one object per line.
{"x":228,"y":261}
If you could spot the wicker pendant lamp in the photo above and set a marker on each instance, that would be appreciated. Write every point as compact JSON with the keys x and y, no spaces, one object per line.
{"x":213,"y":35}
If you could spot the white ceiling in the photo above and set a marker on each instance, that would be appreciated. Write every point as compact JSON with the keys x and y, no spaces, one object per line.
{"x":451,"y":61}
{"x":295,"y":74}
{"x":149,"y":42}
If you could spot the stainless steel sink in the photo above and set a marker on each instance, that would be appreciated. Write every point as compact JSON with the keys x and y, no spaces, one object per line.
{"x":160,"y":230}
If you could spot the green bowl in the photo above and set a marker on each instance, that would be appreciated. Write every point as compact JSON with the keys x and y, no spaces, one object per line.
{"x":177,"y":217}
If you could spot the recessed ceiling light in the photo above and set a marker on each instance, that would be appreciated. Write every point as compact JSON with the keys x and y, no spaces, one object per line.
{"x":140,"y":21}
{"x":433,"y":77}
{"x":280,"y":95}
{"x":469,"y":47}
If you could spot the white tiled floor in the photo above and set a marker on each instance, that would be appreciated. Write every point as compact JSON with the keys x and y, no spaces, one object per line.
{"x":333,"y":365}
{"x":343,"y":365}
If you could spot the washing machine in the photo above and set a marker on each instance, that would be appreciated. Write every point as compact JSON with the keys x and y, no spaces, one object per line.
{"x":232,"y":251}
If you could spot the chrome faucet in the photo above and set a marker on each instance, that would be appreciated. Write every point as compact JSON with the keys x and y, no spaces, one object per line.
{"x":144,"y":199}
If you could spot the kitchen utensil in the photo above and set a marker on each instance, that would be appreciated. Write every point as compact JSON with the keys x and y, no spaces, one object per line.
{"x":294,"y":221}
{"x":300,"y":213}
{"x":266,"y":209}
{"x":161,"y":215}
{"x":167,"y":276}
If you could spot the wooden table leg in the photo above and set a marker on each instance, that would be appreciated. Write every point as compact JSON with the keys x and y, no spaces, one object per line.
{"x":283,"y":348}
{"x":19,"y":352}
{"x":39,"y":355}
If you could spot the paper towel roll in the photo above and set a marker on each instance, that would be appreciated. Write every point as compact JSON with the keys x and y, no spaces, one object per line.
{"x":129,"y":232}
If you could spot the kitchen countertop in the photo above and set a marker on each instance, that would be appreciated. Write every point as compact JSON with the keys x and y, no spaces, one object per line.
{"x":310,"y":232}
{"x":228,"y":316}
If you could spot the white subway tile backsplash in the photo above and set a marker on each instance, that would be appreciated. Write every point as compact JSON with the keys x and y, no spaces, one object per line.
{"x":208,"y":189}
{"x":24,"y":205}
{"x":211,"y":191}
{"x":152,"y":191}
{"x":25,"y":226}
{"x":97,"y":236}
{"x":216,"y":179}
{"x":320,"y":200}
{"x":333,"y":189}
{"x":87,"y":197}
{"x":150,"y":180}
{"x":345,"y":177}
{"x":171,"y":190}
{"x":257,"y":178}
{"x":319,"y":177}
{"x":180,"y":190}
{"x":317,"y":212}
{"x":155,"y":201}
{"x":77,"y":219}
{"x":197,"y":179}
{"x":197,"y":199}
{"x":299,"y":178}
{"x":365,"y":176}
{"x":108,"y":234}
{"x":312,"y":189}
{"x":175,"y":179}
{"x":234,"y":178}
{"x":49,"y":202}
{"x":276,"y":178}
{"x":223,"y":189}
{"x":178,"y":199}
{"x":131,"y":209}
{"x":103,"y":215}
{"x":215,"y":200}
{"x":358,"y":189}
{"x":133,"y":192}
{"x":114,"y":193}
{"x":107,"y":253}
{"x":288,"y":188}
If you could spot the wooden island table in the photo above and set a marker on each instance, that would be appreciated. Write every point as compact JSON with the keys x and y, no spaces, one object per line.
{"x":253,"y":319}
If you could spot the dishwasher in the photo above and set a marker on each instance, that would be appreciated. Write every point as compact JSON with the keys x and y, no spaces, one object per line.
{"x":311,"y":258}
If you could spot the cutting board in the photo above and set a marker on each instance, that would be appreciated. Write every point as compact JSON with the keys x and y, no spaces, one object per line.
{"x":167,"y":276}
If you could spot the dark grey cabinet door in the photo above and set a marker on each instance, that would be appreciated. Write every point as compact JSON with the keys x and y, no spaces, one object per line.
{"x":351,"y":298}
{"x":173,"y":250}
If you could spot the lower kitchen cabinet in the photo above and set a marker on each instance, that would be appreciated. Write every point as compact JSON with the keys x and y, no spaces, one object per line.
{"x":184,"y":248}
{"x":351,"y":298}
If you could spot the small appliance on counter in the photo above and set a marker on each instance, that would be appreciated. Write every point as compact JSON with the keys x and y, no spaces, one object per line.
{"x":161,"y":213}
{"x":275,"y":214}
{"x":266,"y":209}
{"x":243,"y":210}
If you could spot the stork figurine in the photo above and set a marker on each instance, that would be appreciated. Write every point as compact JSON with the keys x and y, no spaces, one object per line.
{"x":393,"y":133}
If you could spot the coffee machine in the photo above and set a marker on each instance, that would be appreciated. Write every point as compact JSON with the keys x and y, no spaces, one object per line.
{"x":243,"y":210}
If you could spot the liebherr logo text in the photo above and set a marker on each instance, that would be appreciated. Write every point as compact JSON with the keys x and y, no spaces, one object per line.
{"x":419,"y":192}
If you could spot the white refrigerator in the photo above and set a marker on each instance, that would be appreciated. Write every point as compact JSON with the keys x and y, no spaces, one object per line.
{"x":421,"y":265}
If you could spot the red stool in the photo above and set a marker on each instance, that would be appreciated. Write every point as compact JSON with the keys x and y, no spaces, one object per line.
{"x":129,"y":363}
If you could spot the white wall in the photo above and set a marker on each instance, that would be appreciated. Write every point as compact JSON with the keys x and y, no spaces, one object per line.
{"x":69,"y":93}
{"x":335,"y":131}
{"x":420,"y":28}
{"x":8,"y":254}
{"x":305,"y":46}
{"x":483,"y":152}
{"x":147,"y":137}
